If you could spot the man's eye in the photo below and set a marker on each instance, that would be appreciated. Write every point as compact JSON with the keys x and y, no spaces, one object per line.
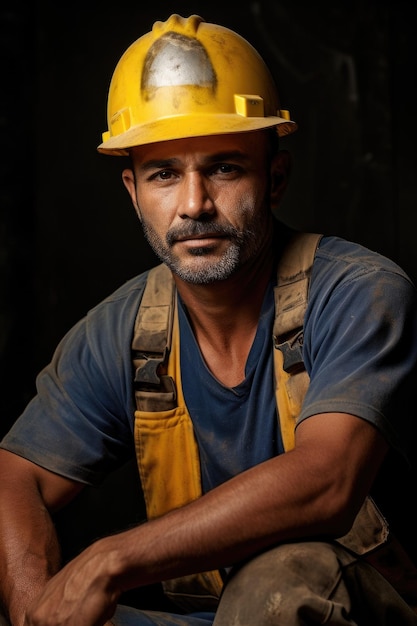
{"x":164,"y":175}
{"x":225,"y":168}
{"x":160,"y":175}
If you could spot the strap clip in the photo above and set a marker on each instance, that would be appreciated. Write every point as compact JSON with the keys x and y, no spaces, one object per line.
{"x":148,"y":373}
{"x":292,"y":352}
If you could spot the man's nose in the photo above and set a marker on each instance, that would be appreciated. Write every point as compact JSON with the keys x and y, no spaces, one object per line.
{"x":196,"y":200}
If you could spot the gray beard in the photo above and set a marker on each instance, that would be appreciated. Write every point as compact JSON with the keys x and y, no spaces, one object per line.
{"x":243,"y":245}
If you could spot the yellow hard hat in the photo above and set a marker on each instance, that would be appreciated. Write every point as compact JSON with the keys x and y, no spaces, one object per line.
{"x":189,"y":78}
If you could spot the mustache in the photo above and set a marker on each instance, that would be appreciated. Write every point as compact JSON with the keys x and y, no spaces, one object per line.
{"x":199,"y":229}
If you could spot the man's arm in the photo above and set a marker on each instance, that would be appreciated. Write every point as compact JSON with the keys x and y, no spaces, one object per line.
{"x":316,"y":489}
{"x":29,"y":550}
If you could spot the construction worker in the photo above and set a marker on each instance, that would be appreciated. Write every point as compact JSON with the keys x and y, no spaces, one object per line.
{"x":251,"y":517}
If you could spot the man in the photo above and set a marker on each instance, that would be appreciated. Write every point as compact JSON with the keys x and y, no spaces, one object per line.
{"x":233,"y":510}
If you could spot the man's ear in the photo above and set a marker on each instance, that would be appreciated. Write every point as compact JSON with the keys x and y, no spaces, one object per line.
{"x":280,"y":174}
{"x":129,"y":182}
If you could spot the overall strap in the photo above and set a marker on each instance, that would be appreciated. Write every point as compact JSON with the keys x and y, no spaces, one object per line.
{"x":151,"y":344}
{"x":291,"y":297}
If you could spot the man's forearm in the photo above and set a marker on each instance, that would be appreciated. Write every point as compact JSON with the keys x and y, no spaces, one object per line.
{"x":29,"y":550}
{"x":223,"y":527}
{"x":299,"y":494}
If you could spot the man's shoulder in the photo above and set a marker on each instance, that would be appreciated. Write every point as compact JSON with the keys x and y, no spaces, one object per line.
{"x":350,"y":273}
{"x":126,"y":295}
{"x":120,"y":307}
{"x":351,"y":258}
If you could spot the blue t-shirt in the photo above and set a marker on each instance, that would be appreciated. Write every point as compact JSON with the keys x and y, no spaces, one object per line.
{"x":360,"y":350}
{"x":233,"y":425}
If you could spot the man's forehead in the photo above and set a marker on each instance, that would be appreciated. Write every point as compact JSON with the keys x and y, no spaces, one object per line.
{"x":203,"y":147}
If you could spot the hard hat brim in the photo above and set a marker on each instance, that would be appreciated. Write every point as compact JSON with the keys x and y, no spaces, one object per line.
{"x":187,"y":126}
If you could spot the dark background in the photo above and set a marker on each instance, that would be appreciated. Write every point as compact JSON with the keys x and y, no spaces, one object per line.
{"x":68,"y":234}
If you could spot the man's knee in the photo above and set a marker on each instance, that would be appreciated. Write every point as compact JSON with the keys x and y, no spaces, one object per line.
{"x":291,"y":584}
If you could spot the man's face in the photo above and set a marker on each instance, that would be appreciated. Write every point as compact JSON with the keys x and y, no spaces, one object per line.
{"x":204,"y":203}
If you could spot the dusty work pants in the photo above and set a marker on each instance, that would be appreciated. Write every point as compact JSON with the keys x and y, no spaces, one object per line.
{"x":300,"y":584}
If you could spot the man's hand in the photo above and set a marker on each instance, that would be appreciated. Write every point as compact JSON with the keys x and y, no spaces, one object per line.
{"x":80,"y":594}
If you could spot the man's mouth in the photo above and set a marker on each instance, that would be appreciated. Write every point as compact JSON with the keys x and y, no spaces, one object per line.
{"x":199,"y":234}
{"x":200,"y":237}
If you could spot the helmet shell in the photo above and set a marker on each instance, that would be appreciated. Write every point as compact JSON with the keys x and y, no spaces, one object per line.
{"x":189,"y":78}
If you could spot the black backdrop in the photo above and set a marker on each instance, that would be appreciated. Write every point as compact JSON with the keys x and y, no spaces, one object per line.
{"x":68,"y":234}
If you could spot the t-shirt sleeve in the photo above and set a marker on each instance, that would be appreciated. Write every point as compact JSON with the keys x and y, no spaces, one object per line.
{"x":360,"y":342}
{"x":80,"y":422}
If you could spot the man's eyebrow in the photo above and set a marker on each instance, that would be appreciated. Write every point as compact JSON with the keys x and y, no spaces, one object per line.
{"x":158,"y":164}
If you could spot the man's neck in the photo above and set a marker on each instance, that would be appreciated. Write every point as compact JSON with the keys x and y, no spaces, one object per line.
{"x":224,"y":317}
